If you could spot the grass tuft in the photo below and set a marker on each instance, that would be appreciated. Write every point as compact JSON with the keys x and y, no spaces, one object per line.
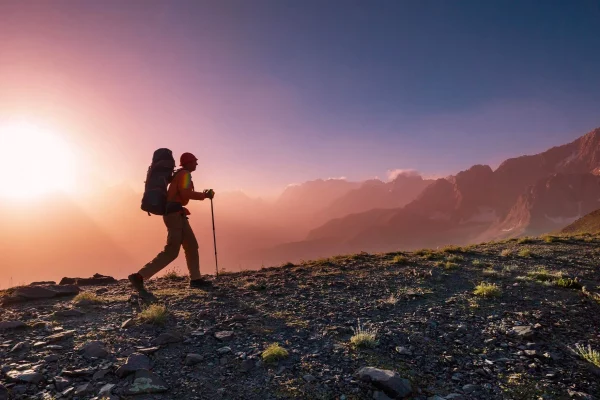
{"x":400,"y":259}
{"x":274,"y":353}
{"x":543,"y":275}
{"x":455,"y":258}
{"x":568,"y":283}
{"x":87,"y":298}
{"x":506,"y":252}
{"x":487,"y":290}
{"x":588,"y":354}
{"x":173,"y":275}
{"x":364,"y":337}
{"x":450,"y":266}
{"x":525,"y":252}
{"x":155,"y":314}
{"x":549,"y":238}
{"x":491,"y":272}
{"x":391,"y":300}
{"x":452,"y":249}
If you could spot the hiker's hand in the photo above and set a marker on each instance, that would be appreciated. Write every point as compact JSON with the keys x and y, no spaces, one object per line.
{"x":209,"y":193}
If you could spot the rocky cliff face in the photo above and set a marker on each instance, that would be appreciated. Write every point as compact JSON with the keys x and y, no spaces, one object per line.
{"x":524,"y":195}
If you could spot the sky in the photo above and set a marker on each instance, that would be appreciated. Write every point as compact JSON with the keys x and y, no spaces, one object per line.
{"x":270,"y":93}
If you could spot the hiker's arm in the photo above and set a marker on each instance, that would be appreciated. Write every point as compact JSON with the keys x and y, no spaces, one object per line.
{"x":186,"y":191}
{"x":189,"y":194}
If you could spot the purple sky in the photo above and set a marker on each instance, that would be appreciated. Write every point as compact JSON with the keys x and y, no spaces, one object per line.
{"x":268,"y":93}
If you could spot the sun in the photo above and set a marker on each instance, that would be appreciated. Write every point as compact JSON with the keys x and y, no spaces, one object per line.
{"x":33,"y":161}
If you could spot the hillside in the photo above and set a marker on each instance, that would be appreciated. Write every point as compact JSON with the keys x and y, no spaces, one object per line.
{"x":434,"y":335}
{"x":589,"y":223}
{"x":527,"y":195}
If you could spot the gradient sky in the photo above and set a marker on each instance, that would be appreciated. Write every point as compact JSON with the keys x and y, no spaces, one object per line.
{"x":269,"y":93}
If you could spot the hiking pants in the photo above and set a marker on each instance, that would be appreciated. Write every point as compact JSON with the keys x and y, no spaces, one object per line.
{"x":179,"y":233}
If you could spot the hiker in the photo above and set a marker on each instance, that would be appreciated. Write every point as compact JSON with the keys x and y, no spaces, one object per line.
{"x":179,"y":231}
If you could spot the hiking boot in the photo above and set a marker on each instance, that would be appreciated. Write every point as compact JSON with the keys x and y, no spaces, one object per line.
{"x":137,"y":282}
{"x":200,"y":284}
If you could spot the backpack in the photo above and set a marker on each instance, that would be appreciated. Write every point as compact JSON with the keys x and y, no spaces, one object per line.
{"x":158,"y":177}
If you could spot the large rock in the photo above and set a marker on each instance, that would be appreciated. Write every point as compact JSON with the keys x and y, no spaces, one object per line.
{"x":94,"y":349}
{"x":95,"y":280}
{"x":27,"y":293}
{"x":61,"y":383}
{"x":134,"y":362}
{"x":76,"y":373}
{"x":168,"y":337}
{"x":224,"y":335}
{"x":29,"y":376}
{"x":106,"y":390}
{"x":146,"y":382}
{"x":523,"y":331}
{"x":19,"y":347}
{"x":192,"y":359}
{"x":389,"y":381}
{"x":5,"y":325}
{"x":84,"y":389}
{"x":60,"y":336}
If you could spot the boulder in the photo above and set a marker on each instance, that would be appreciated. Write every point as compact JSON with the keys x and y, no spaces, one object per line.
{"x":168,"y":337}
{"x":388,"y":381}
{"x":134,"y":362}
{"x":146,"y":382}
{"x":6,"y":325}
{"x":94,"y":349}
{"x":60,"y":336}
{"x":27,"y":293}
{"x":29,"y":376}
{"x":95,"y":280}
{"x":192,"y":359}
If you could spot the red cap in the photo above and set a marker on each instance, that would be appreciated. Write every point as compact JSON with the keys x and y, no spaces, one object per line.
{"x":187,"y":158}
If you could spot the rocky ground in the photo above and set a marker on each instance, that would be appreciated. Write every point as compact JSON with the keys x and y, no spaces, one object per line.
{"x":434,"y":338}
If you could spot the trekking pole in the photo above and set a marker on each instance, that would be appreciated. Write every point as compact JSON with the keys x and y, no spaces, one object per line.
{"x":212,"y":212}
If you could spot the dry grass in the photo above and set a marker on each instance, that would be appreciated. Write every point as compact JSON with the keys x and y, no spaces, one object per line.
{"x":487,"y":290}
{"x":450,"y":266}
{"x":455,"y":258}
{"x":548,"y":238}
{"x":492,"y":273}
{"x":155,"y":314}
{"x":568,"y":283}
{"x":173,"y":275}
{"x":400,"y":259}
{"x":452,"y":249}
{"x":274,"y":353}
{"x":543,"y":275}
{"x":588,"y":354}
{"x":364,"y":337}
{"x":525,"y":252}
{"x":87,"y":298}
{"x":391,"y":300}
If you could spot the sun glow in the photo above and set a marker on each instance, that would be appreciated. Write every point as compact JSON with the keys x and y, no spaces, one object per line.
{"x":33,"y":161}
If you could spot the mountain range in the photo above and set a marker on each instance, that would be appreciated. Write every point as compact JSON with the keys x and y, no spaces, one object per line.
{"x":527,"y":195}
{"x":108,"y":233}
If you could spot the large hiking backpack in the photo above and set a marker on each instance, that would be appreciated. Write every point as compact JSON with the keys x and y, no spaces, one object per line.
{"x":158,"y":177}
